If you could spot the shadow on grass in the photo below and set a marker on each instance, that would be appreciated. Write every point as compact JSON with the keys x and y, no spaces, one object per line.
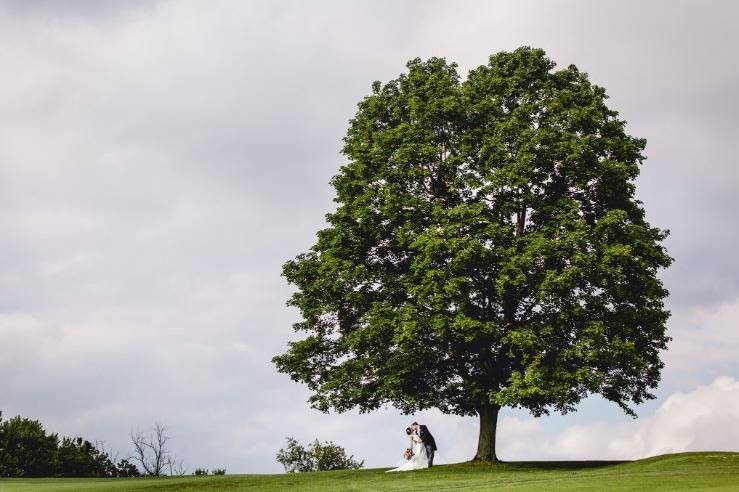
{"x":529,"y":465}
{"x":558,"y":465}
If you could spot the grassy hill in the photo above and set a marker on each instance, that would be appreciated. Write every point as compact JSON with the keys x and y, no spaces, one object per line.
{"x":684,"y":471}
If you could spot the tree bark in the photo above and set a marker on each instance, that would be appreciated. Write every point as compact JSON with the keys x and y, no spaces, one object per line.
{"x":521,"y":221}
{"x":488,"y":426}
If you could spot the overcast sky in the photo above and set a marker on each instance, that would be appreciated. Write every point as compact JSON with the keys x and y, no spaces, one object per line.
{"x":160,"y":161}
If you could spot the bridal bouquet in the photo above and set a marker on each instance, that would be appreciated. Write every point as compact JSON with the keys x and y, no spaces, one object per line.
{"x":408,"y":454}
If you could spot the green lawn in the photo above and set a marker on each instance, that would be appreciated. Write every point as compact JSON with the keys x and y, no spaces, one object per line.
{"x":685,"y":471}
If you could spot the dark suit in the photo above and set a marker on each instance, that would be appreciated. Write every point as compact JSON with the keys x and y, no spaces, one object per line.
{"x":428,"y":441}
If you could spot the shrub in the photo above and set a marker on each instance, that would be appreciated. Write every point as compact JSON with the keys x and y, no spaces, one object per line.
{"x":25,"y":449}
{"x":127,"y":469}
{"x":80,"y":458}
{"x":316,"y":457}
{"x":219,"y":471}
{"x":200,"y":471}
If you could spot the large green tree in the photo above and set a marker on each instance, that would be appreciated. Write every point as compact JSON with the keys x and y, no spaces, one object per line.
{"x":487,"y":251}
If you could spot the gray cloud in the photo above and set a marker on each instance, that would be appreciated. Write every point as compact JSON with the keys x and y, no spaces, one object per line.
{"x":160,"y":161}
{"x":89,"y":10}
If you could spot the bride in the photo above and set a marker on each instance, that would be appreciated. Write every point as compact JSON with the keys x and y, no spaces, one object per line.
{"x":419,"y":459}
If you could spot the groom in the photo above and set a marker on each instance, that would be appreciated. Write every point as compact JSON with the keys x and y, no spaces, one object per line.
{"x":428,"y":440}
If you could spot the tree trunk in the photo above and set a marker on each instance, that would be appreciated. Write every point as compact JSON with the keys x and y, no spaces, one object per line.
{"x":488,"y":425}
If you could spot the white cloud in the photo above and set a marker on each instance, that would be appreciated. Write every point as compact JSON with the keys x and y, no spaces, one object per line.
{"x":704,"y":339}
{"x":700,"y":420}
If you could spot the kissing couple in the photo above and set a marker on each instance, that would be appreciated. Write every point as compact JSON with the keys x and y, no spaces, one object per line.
{"x":421,"y":453}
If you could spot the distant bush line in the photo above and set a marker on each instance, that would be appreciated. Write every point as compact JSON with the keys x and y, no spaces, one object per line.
{"x":27,"y":450}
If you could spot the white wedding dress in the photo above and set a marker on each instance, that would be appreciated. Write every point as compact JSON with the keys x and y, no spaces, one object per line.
{"x":419,"y":459}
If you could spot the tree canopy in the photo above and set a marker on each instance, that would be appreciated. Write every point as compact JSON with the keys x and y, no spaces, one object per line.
{"x":487,"y":250}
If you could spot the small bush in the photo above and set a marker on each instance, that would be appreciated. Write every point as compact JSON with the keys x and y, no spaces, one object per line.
{"x":316,"y":457}
{"x":200,"y":471}
{"x":127,"y":469}
{"x":219,"y":471}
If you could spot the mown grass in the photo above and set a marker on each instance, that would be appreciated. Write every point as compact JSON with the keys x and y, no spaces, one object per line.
{"x":684,"y":471}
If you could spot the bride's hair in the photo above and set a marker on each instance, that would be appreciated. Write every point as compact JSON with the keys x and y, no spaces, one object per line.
{"x":408,"y":430}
